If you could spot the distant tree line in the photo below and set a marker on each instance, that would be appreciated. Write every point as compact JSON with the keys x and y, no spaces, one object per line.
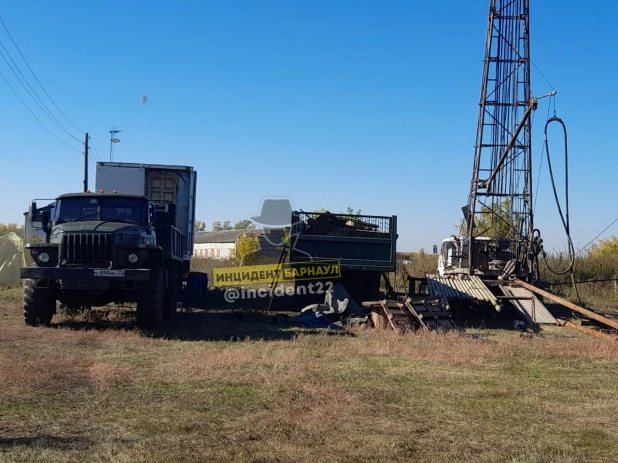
{"x":217,"y":225}
{"x":246,"y":224}
{"x":11,"y":227}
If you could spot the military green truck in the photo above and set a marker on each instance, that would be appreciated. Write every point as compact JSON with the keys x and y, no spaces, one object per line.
{"x":113,"y":246}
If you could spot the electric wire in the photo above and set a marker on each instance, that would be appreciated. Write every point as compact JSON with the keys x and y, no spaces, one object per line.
{"x":94,"y":148}
{"x":35,"y":116}
{"x":34,"y":75}
{"x":595,"y":238}
{"x":26,"y":85}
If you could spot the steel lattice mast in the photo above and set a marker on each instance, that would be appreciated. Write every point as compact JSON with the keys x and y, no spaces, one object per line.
{"x":502,"y":168}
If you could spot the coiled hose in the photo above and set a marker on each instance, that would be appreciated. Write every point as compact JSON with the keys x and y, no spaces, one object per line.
{"x":564,"y":217}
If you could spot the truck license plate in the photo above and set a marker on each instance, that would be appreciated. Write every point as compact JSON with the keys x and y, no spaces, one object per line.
{"x":108,"y":273}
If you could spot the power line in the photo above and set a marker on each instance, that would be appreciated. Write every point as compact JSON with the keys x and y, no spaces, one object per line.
{"x":593,"y":239}
{"x":32,"y":94}
{"x":96,"y":151}
{"x":35,"y":77}
{"x":35,"y":116}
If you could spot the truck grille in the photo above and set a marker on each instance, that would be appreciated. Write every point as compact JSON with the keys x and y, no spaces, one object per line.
{"x":86,"y":248}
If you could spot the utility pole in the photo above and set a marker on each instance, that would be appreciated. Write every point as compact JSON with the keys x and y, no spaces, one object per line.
{"x":113,"y":140}
{"x":85,"y":162}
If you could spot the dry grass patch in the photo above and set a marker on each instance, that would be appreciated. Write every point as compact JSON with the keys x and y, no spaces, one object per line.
{"x":115,"y":395}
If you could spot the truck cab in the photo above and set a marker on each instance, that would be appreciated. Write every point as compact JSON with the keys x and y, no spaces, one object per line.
{"x":98,"y":248}
{"x":103,"y":230}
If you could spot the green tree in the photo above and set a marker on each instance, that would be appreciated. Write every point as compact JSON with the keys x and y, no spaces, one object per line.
{"x":500,"y":223}
{"x":605,"y":247}
{"x":246,"y":250}
{"x":350,"y":211}
{"x":218,"y":226}
{"x":244,"y":224}
{"x":199,"y":226}
{"x":285,"y":239}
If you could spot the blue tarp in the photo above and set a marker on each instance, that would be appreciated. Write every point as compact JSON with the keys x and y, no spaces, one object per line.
{"x":310,"y":319}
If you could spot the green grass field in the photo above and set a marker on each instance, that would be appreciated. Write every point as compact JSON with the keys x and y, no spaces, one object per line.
{"x":105,"y":392}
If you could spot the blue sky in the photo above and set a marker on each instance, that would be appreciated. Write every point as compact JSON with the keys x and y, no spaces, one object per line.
{"x":331,"y":103}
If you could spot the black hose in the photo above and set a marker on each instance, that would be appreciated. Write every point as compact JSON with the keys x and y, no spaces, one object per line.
{"x":563,"y":217}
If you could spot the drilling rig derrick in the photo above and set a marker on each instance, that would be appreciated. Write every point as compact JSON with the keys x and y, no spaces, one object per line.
{"x":498,"y":238}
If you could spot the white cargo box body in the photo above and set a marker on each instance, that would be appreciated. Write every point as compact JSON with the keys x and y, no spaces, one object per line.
{"x":176,"y":184}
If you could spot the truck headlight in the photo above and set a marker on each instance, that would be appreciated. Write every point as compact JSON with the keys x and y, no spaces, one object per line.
{"x":132,"y":258}
{"x":44,"y":257}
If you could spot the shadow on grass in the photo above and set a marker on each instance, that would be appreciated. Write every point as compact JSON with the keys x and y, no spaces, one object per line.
{"x":203,"y":325}
{"x":485,"y":316}
{"x":47,"y":442}
{"x":235,"y":326}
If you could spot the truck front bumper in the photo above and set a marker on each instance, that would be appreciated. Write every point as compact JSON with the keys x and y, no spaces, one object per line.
{"x":84,"y":274}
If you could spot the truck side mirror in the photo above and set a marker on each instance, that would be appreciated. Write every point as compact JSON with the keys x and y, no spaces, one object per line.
{"x":32,"y":212}
{"x":152,"y":215}
{"x":45,"y":222}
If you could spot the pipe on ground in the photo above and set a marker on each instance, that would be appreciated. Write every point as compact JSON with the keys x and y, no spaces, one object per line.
{"x":596,"y":334}
{"x":570,"y":305}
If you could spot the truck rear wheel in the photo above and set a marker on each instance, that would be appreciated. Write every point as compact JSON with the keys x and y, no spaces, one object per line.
{"x":171,"y":294}
{"x":39,"y":304}
{"x":150,"y":300}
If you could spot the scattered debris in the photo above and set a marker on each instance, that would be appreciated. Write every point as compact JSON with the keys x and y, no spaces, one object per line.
{"x":519,"y":325}
{"x":422,"y":313}
{"x":337,"y":311}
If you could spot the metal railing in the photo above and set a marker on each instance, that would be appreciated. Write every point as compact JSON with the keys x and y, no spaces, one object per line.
{"x":342,"y":225}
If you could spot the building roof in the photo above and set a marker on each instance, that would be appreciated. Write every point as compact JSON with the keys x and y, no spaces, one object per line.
{"x":227,"y":236}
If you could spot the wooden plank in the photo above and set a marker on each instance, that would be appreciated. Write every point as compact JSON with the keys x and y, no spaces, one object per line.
{"x":430,"y":314}
{"x":397,"y":317}
{"x":410,"y":315}
{"x":379,"y":319}
{"x":596,"y":334}
{"x":570,"y":305}
{"x":532,"y":308}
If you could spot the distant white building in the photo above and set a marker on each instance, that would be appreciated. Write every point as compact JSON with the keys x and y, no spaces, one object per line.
{"x":222,"y":244}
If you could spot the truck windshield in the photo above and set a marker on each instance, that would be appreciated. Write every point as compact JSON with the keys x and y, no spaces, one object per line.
{"x":101,"y":209}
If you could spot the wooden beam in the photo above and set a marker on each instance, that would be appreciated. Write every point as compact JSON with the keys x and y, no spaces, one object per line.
{"x":568,"y":304}
{"x":596,"y":334}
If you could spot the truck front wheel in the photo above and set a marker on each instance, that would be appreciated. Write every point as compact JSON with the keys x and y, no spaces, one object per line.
{"x":150,"y":300}
{"x":39,"y":304}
